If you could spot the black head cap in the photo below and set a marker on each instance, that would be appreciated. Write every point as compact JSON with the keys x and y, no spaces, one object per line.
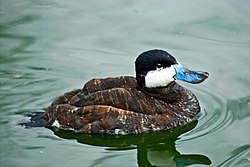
{"x":151,"y":60}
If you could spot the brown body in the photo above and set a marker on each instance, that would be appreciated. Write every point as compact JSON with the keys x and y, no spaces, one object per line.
{"x":118,"y":106}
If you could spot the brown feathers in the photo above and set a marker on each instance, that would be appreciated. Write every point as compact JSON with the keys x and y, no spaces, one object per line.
{"x":118,"y":106}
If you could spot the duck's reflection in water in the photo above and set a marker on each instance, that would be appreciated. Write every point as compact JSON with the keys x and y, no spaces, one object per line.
{"x":153,"y":149}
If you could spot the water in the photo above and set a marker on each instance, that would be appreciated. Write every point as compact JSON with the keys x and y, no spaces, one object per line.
{"x":50,"y":47}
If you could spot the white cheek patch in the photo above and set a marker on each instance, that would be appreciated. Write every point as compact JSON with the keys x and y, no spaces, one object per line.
{"x":160,"y":77}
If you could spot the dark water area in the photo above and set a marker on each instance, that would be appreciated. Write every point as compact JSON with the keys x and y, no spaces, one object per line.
{"x":50,"y":47}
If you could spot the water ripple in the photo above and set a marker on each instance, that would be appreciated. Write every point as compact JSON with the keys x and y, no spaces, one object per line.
{"x":239,"y":107}
{"x":217,"y":113}
{"x":214,"y":115}
{"x":239,"y":157}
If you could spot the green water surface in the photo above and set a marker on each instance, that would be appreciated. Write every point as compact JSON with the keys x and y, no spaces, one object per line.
{"x":48,"y":47}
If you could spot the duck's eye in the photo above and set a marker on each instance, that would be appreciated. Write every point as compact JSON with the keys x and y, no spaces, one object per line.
{"x":159,"y":65}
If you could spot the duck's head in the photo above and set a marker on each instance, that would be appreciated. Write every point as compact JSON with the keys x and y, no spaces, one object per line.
{"x":157,"y":68}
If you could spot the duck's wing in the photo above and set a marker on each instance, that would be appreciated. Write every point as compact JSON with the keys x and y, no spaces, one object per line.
{"x":103,"y":119}
{"x":66,"y":97}
{"x":101,"y":84}
{"x":131,"y":99}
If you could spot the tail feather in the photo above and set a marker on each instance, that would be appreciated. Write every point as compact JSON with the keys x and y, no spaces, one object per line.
{"x":37,"y":119}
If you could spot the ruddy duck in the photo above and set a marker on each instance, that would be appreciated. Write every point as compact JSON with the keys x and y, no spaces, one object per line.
{"x":127,"y":105}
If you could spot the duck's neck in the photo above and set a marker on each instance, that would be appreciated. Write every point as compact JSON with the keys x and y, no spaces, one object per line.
{"x":162,"y":92}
